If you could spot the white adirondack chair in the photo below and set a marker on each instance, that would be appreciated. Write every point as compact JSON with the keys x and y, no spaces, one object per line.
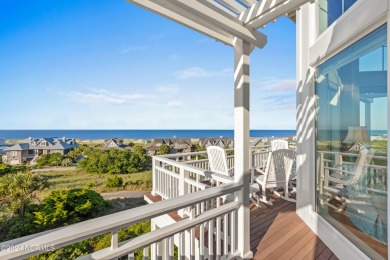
{"x":276,"y":175}
{"x":278,"y":144}
{"x":218,"y":161}
{"x":340,"y":183}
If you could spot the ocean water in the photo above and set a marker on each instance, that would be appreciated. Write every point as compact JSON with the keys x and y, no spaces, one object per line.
{"x":135,"y":134}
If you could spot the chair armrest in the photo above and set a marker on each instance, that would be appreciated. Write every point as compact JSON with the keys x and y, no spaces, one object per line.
{"x":339,"y":181}
{"x":339,"y":170}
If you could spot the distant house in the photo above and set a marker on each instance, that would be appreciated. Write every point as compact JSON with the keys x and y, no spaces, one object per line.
{"x":176,"y":145}
{"x":3,"y":146}
{"x":113,"y":143}
{"x":378,"y":138}
{"x":221,"y":142}
{"x":31,"y":148}
{"x":206,"y":142}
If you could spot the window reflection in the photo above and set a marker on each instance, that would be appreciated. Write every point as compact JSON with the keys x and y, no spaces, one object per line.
{"x":330,"y":10}
{"x":351,"y":142}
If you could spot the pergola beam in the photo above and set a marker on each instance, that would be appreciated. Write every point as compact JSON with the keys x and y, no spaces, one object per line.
{"x":267,"y":11}
{"x":217,"y":7}
{"x":174,"y":13}
{"x":232,"y":5}
{"x":235,"y":29}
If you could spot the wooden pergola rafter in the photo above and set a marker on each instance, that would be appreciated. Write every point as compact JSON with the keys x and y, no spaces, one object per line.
{"x":224,"y":20}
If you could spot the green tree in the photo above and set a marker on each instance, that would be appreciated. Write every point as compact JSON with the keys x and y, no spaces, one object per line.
{"x":18,"y":191}
{"x":115,"y":162}
{"x":163,"y":149}
{"x":138,"y":149}
{"x":67,"y":162}
{"x":82,"y":149}
{"x":43,"y":160}
{"x":55,"y":159}
{"x":69,"y":206}
{"x":4,"y":169}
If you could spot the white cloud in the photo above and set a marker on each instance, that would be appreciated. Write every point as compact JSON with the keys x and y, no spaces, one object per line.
{"x":276,"y":84}
{"x":96,"y":96}
{"x":197,"y":72}
{"x":166,"y":89}
{"x":275,"y":94}
{"x":175,"y":104}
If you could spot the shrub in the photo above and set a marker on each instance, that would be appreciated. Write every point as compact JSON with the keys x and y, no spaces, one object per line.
{"x":69,"y":206}
{"x":4,"y":169}
{"x":115,"y":161}
{"x":18,"y":191}
{"x":163,"y":149}
{"x":67,"y":162}
{"x":55,"y":159}
{"x":43,"y":160}
{"x":114,"y":182}
{"x":89,"y":185}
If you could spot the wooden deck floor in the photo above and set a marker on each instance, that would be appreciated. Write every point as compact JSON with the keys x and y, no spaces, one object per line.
{"x":278,"y":233}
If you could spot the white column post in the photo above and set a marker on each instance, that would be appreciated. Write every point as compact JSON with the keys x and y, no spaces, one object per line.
{"x":182,"y":188}
{"x":154,"y":177}
{"x":241,"y":143}
{"x":388,"y":115}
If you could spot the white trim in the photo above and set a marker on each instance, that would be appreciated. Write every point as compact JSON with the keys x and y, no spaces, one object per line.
{"x":361,"y":19}
{"x":365,"y":16}
{"x":241,"y":144}
{"x":388,"y":122}
{"x":200,"y":17}
{"x":267,"y":11}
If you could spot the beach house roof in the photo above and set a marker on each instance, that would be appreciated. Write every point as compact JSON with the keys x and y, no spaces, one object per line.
{"x":51,"y":143}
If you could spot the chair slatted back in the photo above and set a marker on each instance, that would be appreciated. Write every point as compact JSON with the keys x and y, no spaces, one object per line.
{"x":279,"y":164}
{"x":278,"y":144}
{"x":362,"y":162}
{"x":217,"y":160}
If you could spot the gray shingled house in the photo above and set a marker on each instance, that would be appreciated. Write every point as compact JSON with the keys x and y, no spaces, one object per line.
{"x":176,"y":145}
{"x":31,"y":148}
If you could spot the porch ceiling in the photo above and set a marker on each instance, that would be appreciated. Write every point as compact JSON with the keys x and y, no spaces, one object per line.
{"x":224,"y":20}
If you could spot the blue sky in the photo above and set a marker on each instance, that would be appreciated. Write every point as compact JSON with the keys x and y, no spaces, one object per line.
{"x":98,"y":64}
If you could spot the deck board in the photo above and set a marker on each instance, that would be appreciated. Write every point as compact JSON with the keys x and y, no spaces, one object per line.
{"x":277,"y":232}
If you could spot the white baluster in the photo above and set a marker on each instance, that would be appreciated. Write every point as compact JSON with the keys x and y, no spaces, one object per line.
{"x":114,"y":239}
{"x":182,"y":245}
{"x":171,"y":247}
{"x":211,"y":239}
{"x":201,"y":241}
{"x":218,"y":235}
{"x":233,"y":232}
{"x":145,"y":253}
{"x":226,"y":234}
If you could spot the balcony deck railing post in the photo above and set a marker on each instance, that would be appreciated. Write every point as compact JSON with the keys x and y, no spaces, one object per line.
{"x":154,"y":176}
{"x":241,"y":144}
{"x":182,"y":188}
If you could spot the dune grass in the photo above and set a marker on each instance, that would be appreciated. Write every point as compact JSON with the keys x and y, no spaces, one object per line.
{"x":64,"y":180}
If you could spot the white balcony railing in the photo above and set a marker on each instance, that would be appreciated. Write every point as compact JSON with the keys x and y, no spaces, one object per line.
{"x":173,"y":178}
{"x":375,"y":175}
{"x":219,"y":224}
{"x":202,"y":198}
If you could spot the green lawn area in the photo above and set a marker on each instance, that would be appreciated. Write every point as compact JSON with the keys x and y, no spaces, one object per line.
{"x":63,"y":180}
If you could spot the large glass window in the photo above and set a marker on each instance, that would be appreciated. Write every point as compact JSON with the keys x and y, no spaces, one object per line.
{"x":351,"y":143}
{"x":330,"y":10}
